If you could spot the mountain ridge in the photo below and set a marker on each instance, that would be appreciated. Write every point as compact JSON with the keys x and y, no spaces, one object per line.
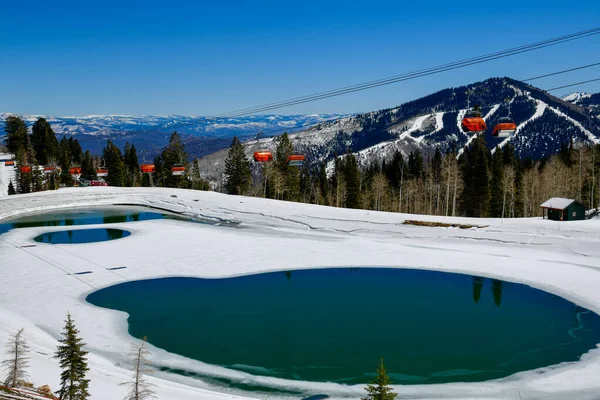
{"x":544,"y":123}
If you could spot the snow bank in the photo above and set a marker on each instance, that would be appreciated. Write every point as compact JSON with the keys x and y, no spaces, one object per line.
{"x":562,"y":258}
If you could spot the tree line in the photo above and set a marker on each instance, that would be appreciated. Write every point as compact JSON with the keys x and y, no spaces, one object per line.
{"x":475,"y":182}
{"x":41,"y":149}
{"x":72,"y":358}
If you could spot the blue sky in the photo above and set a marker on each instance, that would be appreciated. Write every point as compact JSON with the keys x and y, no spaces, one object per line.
{"x":202,"y":58}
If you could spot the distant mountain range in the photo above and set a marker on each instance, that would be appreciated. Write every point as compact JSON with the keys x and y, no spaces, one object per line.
{"x":544,"y":123}
{"x":203,"y":135}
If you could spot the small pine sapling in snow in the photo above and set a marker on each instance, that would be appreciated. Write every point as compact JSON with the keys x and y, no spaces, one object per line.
{"x":139,"y":387}
{"x":73,"y":362}
{"x":380,"y":388}
{"x":17,"y":359}
{"x":11,"y":189}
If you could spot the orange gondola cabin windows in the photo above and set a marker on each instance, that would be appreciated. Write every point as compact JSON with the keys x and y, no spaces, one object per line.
{"x":25,"y":169}
{"x":178,"y":170}
{"x":473,"y":123}
{"x":504,"y":128}
{"x":263,"y":156}
{"x":295,"y":160}
{"x":49,"y":169}
{"x":101,"y":173}
{"x":75,"y":170}
{"x":147,"y":168}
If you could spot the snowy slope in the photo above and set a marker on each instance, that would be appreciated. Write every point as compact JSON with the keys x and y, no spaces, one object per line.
{"x":562,"y":258}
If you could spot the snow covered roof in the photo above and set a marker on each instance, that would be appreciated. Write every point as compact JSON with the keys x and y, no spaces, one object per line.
{"x":558,"y":203}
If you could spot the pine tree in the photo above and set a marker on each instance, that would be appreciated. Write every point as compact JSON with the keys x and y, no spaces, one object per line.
{"x":139,"y":387}
{"x":475,"y":172}
{"x":44,"y":142}
{"x":73,"y":362}
{"x":11,"y":188}
{"x":174,"y":154}
{"x":380,"y":388}
{"x":352,"y":180}
{"x":114,"y":163}
{"x":238,"y":176}
{"x":16,"y":135}
{"x":17,"y":359}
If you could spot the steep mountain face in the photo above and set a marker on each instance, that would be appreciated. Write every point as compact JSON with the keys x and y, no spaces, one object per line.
{"x":544,"y":123}
{"x":203,"y":135}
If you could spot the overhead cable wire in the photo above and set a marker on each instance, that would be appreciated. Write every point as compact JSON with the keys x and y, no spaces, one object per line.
{"x":573,"y":84}
{"x":413,"y":75}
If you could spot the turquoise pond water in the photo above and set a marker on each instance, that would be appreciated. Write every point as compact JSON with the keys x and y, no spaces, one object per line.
{"x":84,"y":216}
{"x":335,"y":324}
{"x":81,"y":236}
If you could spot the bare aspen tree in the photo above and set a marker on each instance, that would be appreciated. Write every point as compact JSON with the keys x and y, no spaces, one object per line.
{"x":379,"y":188}
{"x":508,"y":183}
{"x":139,"y":387}
{"x":17,"y":360}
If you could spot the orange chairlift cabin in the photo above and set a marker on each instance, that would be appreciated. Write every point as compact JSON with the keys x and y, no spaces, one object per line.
{"x":262,"y":155}
{"x":25,"y":168}
{"x":146,"y":167}
{"x":505,"y":127}
{"x":49,"y":169}
{"x":472,"y":122}
{"x":102,"y":171}
{"x":75,"y":170}
{"x":295,"y":160}
{"x":178,"y":170}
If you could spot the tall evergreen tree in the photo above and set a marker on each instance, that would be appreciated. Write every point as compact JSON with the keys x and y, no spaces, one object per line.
{"x":238,"y":176}
{"x":114,"y":163}
{"x":16,"y":135}
{"x":380,"y":388}
{"x":174,"y":154}
{"x":476,"y":177}
{"x":290,"y":176}
{"x":73,"y":362}
{"x":352,"y":180}
{"x":44,"y":142}
{"x":324,"y":183}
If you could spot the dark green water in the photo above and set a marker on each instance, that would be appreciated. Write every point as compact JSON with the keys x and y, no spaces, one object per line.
{"x":81,"y":236}
{"x":335,"y":324}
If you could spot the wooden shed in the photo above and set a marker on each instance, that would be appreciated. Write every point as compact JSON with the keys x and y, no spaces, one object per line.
{"x":559,"y":209}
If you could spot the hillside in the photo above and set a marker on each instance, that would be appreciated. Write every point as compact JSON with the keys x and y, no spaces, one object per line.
{"x":544,"y":123}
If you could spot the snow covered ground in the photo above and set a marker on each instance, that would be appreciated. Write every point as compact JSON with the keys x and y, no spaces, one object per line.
{"x":36,"y":290}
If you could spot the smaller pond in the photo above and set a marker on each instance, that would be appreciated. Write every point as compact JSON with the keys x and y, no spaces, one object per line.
{"x":81,"y":236}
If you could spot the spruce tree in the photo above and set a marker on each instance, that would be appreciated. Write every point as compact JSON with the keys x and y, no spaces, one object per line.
{"x":496,"y":189}
{"x":352,"y":180}
{"x":73,"y":362}
{"x":238,"y":176}
{"x":174,"y":154}
{"x":11,"y":188}
{"x":475,"y":171}
{"x":380,"y":388}
{"x":16,"y":135}
{"x":115,"y":165}
{"x":44,"y":142}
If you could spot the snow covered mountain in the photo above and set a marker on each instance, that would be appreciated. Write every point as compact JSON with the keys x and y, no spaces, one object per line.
{"x":576,"y":97}
{"x":544,"y":123}
{"x":204,"y":135}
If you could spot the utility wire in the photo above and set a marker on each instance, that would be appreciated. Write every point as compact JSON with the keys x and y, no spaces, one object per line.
{"x":561,"y":72}
{"x":573,"y":84}
{"x":413,"y":75}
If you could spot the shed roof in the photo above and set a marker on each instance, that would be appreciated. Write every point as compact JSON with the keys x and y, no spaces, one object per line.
{"x":558,"y":203}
